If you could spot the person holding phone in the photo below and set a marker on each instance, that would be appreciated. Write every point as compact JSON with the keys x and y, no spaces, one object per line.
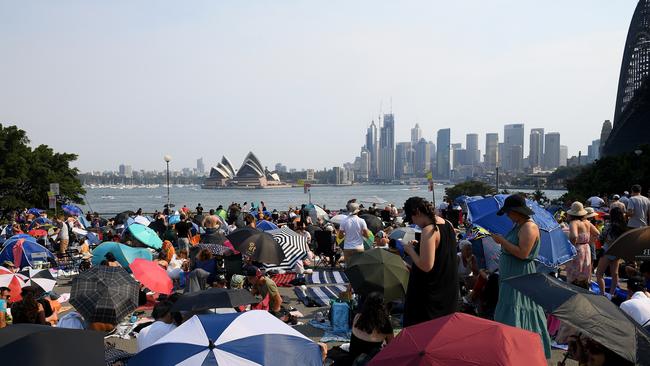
{"x":518,"y":250}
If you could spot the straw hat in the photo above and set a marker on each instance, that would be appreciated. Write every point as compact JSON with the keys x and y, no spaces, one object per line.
{"x":590,"y":213}
{"x":577,"y":209}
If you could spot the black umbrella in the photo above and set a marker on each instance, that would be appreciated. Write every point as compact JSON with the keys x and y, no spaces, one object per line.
{"x":258,"y":245}
{"x":632,"y":245}
{"x":121,"y":217}
{"x":42,"y":279}
{"x":31,"y":344}
{"x":104,"y":294}
{"x":594,"y":315}
{"x":373,"y":222}
{"x":214,"y":298}
{"x":378,"y":270}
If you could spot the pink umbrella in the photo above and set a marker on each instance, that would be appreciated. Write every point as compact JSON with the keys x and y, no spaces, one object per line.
{"x":152,"y":276}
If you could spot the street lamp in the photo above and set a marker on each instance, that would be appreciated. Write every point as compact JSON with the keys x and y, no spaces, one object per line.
{"x":168,"y":158}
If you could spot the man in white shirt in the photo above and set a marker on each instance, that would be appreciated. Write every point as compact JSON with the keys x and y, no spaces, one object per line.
{"x":161,"y":327}
{"x":638,"y":209}
{"x":595,"y":202}
{"x":354,"y":230}
{"x":638,"y":304}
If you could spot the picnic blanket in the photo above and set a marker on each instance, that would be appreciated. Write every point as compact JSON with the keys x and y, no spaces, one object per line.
{"x":283,"y":279}
{"x":320,"y":295}
{"x":329,"y":334}
{"x":326,"y":277}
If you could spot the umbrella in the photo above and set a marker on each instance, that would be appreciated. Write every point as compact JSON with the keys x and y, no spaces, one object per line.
{"x":31,"y":344}
{"x":145,"y":236}
{"x":632,"y":245}
{"x":152,"y":276}
{"x":82,"y":220}
{"x":373,"y":223}
{"x":124,"y":254}
{"x":34,"y":211}
{"x":238,"y":339}
{"x":37,"y":233}
{"x":555,"y":247}
{"x":444,"y":341}
{"x":174,"y":219}
{"x":374,"y":199}
{"x":121,"y":217}
{"x":23,"y":250}
{"x":142,"y":220}
{"x":104,"y":294}
{"x":594,"y":315}
{"x":378,"y":270}
{"x":42,"y":279}
{"x":14,"y":281}
{"x":265,"y":225}
{"x":338,"y":219}
{"x":294,"y":246}
{"x":216,"y":249}
{"x":258,"y":245}
{"x":41,"y":221}
{"x":72,"y":210}
{"x":405,"y":234}
{"x":214,"y":298}
{"x":316,"y":212}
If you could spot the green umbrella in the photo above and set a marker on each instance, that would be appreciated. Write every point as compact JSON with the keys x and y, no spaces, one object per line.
{"x":145,"y":235}
{"x":123,"y":253}
{"x":380,"y":271}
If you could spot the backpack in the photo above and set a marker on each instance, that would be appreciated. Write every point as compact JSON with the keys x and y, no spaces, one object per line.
{"x":340,"y":316}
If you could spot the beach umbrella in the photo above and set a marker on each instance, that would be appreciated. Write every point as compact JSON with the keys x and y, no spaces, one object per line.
{"x":72,"y":210}
{"x":142,"y":220}
{"x":146,"y":236}
{"x":104,"y":294}
{"x":152,"y":276}
{"x":462,"y":340}
{"x":42,"y":279}
{"x":217,"y":249}
{"x":316,"y":212}
{"x":632,"y":244}
{"x":594,"y":315}
{"x":124,"y":254}
{"x":555,"y":247}
{"x":34,"y":211}
{"x":37,"y":233}
{"x":239,"y":339}
{"x":374,"y":200}
{"x":23,"y":251}
{"x":41,"y":221}
{"x":258,"y":245}
{"x":294,"y":246}
{"x":405,"y":234}
{"x":121,"y":217}
{"x":373,"y":223}
{"x":214,"y":298}
{"x":378,"y":270}
{"x":265,"y":225}
{"x":83,"y":222}
{"x":14,"y":281}
{"x":32,"y":344}
{"x":338,"y":219}
{"x":174,"y":219}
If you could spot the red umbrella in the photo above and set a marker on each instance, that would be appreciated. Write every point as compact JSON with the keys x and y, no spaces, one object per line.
{"x":37,"y":233}
{"x":461,"y":339}
{"x":152,"y":276}
{"x":14,"y":281}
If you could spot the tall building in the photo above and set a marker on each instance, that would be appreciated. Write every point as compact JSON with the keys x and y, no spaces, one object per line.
{"x":339,"y":175}
{"x":604,"y":135}
{"x":387,"y":149}
{"x":513,"y":135}
{"x":457,"y":155}
{"x":536,"y":146}
{"x":564,"y":155}
{"x":373,"y":150}
{"x":416,"y":134}
{"x":516,"y":158}
{"x":473,"y":154}
{"x":552,"y":154}
{"x":491,"y":150}
{"x":364,"y":165}
{"x":126,"y":171}
{"x":403,"y":160}
{"x":593,"y":151}
{"x":200,"y":167}
{"x":442,"y":154}
{"x":422,"y":160}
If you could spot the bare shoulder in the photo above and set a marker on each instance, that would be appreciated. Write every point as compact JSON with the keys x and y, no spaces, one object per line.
{"x":530,"y":227}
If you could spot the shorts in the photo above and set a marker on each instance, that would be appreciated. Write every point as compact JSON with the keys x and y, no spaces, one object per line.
{"x":609,"y":257}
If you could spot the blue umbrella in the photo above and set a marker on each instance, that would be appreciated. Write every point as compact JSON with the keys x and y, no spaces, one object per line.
{"x":555,"y":246}
{"x":30,"y":250}
{"x":34,"y":211}
{"x":239,"y":339}
{"x":124,"y":254}
{"x":146,"y":236}
{"x":84,"y":222}
{"x":266,"y":225}
{"x":72,"y":210}
{"x":174,"y":219}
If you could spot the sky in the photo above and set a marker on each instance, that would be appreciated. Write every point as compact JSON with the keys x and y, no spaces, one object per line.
{"x":298,"y":82}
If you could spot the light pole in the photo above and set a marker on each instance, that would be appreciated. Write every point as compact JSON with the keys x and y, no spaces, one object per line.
{"x":168,"y":158}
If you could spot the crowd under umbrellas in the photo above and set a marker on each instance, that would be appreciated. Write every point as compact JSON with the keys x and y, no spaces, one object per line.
{"x":210,"y":279}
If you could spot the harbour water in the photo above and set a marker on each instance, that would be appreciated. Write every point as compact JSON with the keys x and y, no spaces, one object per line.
{"x":114,"y":200}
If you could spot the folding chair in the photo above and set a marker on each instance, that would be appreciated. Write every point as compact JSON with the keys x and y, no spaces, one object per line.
{"x":325,"y":244}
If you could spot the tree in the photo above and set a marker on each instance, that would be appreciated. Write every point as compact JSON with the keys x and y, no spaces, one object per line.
{"x":469,"y":188}
{"x":26,"y":173}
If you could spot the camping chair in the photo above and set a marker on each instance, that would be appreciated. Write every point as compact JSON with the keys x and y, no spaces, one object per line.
{"x":40,"y":257}
{"x":324,"y":248}
{"x":68,"y":262}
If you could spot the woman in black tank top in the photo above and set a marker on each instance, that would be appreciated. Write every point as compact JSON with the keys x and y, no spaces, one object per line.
{"x":433,"y":283}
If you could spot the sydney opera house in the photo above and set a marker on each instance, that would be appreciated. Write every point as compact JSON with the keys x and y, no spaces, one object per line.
{"x":251,"y":174}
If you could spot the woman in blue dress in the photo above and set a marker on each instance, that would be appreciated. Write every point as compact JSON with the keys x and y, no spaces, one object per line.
{"x":518,"y":250}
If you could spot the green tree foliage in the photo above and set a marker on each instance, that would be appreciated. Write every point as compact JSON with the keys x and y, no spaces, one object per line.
{"x":469,"y":188}
{"x":26,"y":173}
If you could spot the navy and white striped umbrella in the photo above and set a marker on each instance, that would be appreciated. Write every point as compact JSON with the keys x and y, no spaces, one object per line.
{"x":251,"y":338}
{"x":294,"y":246}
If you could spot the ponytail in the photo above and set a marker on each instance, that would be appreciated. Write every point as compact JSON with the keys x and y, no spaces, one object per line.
{"x":420,"y":205}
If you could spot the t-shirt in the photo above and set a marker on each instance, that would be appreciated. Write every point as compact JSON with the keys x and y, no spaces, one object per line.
{"x":270,"y":288}
{"x":353,"y":226}
{"x":63,"y":233}
{"x":151,"y":334}
{"x":595,"y":201}
{"x":640,"y":205}
{"x":618,"y":204}
{"x":3,"y":306}
{"x":637,"y":307}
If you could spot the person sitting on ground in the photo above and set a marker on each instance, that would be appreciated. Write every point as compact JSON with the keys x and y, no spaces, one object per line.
{"x":212,"y":233}
{"x":638,"y":304}
{"x":264,"y":286}
{"x":203,"y":271}
{"x":163,"y":324}
{"x":5,"y":295}
{"x":467,"y":264}
{"x":28,"y":310}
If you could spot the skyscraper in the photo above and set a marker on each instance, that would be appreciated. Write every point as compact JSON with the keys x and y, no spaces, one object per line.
{"x":403,"y":160}
{"x":442,"y":155}
{"x":373,"y":150}
{"x":564,"y":155}
{"x":491,"y":150}
{"x":513,"y":135}
{"x":457,"y":155}
{"x":416,"y":134}
{"x":364,"y":165}
{"x":422,"y":160}
{"x":473,"y":154}
{"x":387,"y":149}
{"x":552,"y":154}
{"x":604,"y":135}
{"x":200,"y":167}
{"x":536,"y":146}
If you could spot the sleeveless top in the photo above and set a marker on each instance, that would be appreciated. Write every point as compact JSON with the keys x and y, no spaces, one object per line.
{"x":433,"y":294}
{"x":463,"y":270}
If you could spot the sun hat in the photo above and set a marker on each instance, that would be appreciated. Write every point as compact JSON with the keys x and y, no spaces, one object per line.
{"x":590,"y":213}
{"x":577,"y":210}
{"x":353,"y":208}
{"x":616,"y":197}
{"x":237,"y":281}
{"x":516,"y":203}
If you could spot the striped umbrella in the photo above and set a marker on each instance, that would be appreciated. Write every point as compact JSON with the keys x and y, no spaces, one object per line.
{"x":40,"y":278}
{"x":294,"y":246}
{"x":14,"y":281}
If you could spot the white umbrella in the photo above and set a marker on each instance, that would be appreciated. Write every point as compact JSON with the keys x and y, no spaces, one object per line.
{"x":375,"y":200}
{"x":42,"y":278}
{"x":338,"y":219}
{"x":142,"y":220}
